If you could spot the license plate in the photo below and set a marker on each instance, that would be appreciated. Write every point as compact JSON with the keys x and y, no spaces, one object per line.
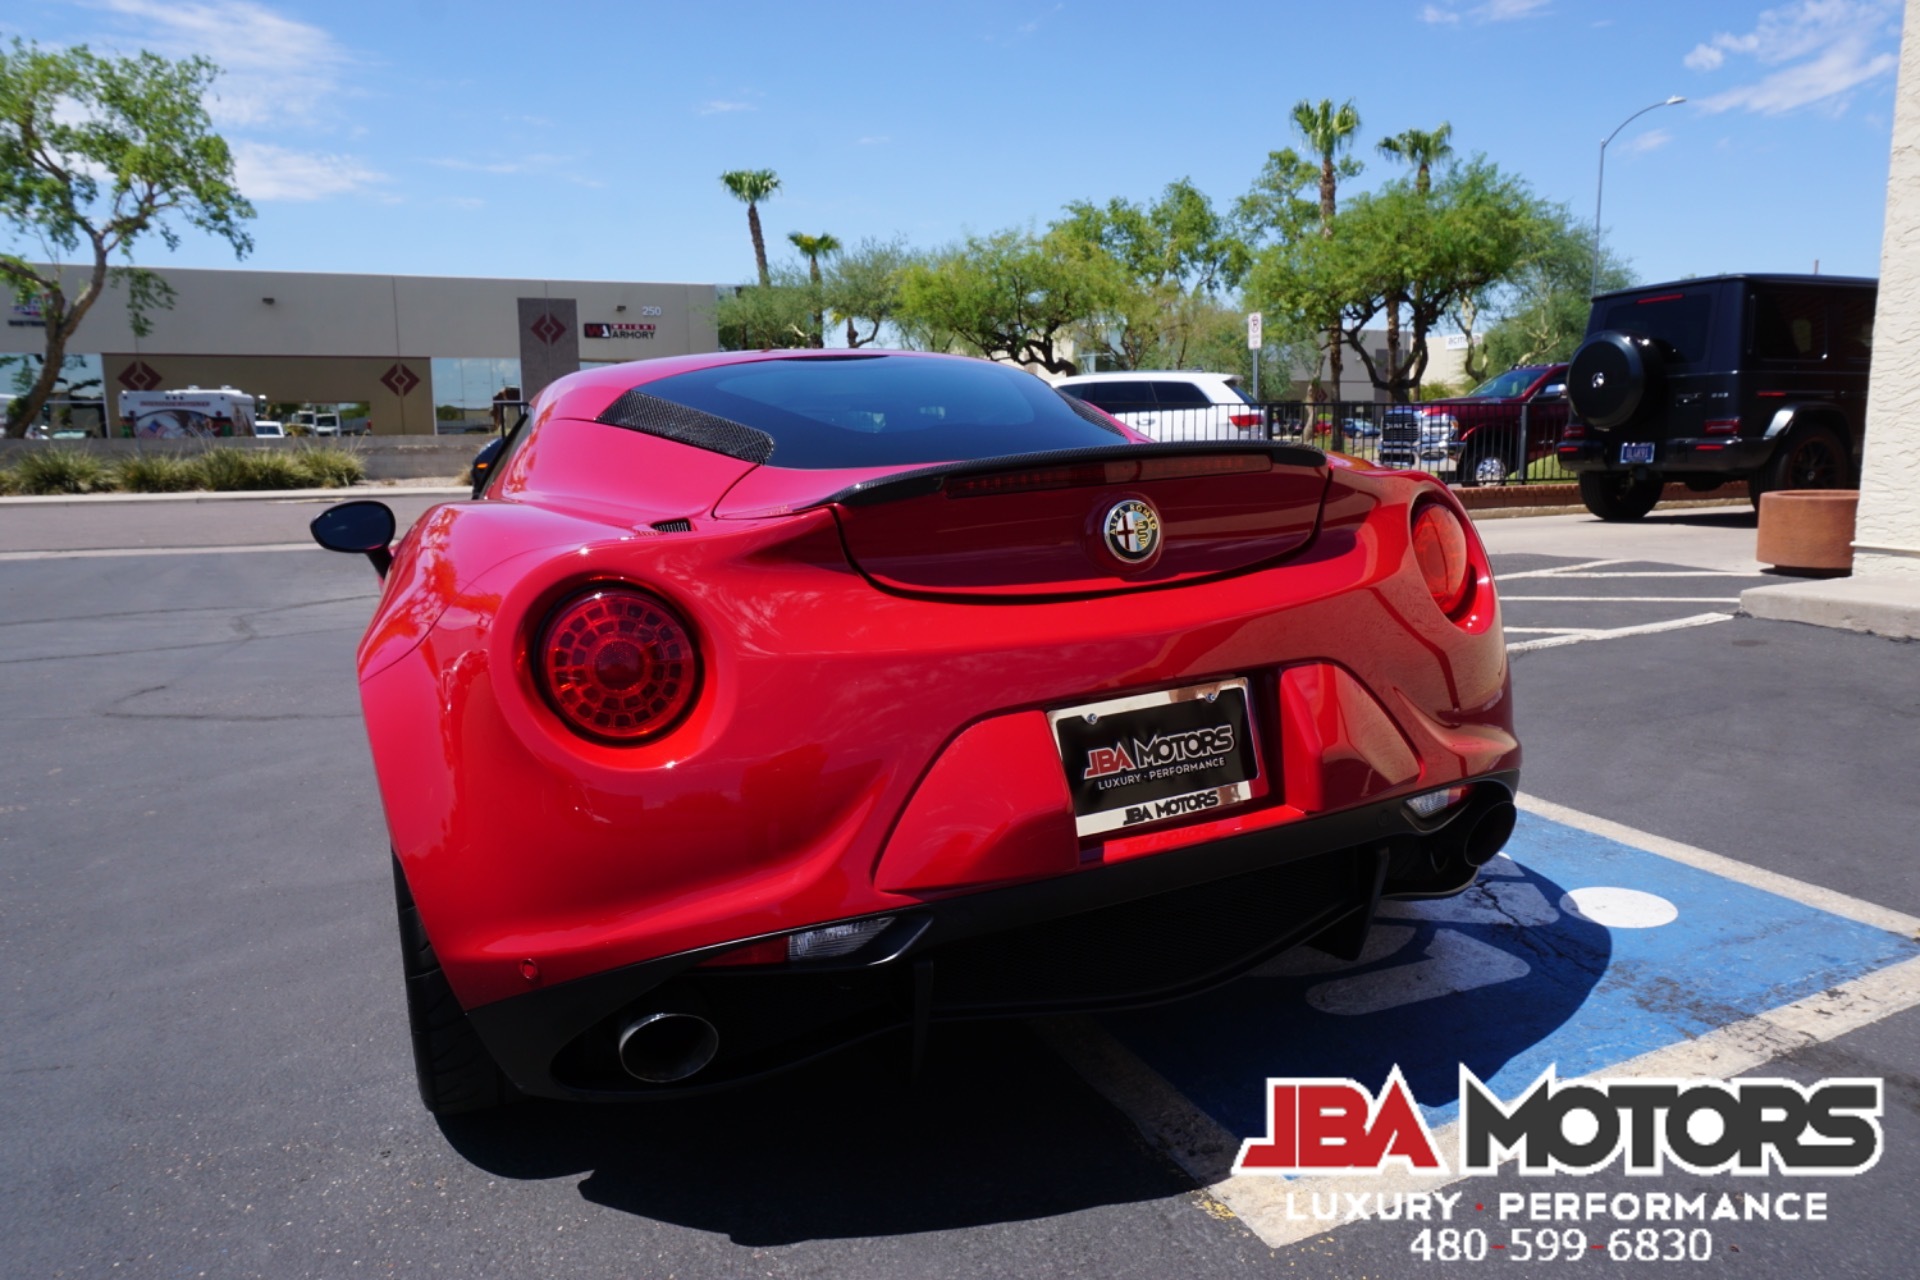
{"x":1157,"y":757}
{"x":1632,"y":453}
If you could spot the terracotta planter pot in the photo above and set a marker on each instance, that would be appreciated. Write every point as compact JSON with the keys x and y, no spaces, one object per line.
{"x":1808,"y":532}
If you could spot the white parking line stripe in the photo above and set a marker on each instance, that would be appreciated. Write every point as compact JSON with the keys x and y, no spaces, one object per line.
{"x":1647,"y":629}
{"x":1558,"y":570}
{"x":97,"y":552}
{"x":1205,"y":1150}
{"x":1666,"y":573}
{"x":1624,"y":599}
{"x":1812,"y":895}
{"x":1548,"y":631}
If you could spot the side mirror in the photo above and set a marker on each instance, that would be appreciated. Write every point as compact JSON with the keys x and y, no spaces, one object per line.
{"x":1554,"y":391}
{"x":364,"y":528}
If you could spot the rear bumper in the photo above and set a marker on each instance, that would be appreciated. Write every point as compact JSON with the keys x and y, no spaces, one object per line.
{"x":1132,"y":933}
{"x":1718,"y":455}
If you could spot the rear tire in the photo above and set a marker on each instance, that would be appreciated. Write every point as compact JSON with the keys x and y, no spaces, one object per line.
{"x":1811,"y":457}
{"x":1617,"y":495}
{"x":456,"y":1073}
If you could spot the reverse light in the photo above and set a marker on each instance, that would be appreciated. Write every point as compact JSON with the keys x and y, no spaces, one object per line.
{"x":1432,"y":802}
{"x":1440,"y":548}
{"x":618,"y":665}
{"x":835,"y":939}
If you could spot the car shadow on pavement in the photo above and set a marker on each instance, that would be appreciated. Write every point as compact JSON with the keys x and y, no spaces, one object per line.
{"x":996,"y":1129}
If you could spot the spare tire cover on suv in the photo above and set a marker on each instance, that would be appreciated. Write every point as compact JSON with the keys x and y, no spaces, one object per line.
{"x":1610,"y":376}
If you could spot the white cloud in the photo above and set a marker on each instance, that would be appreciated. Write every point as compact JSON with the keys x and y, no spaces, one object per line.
{"x":266,"y":172}
{"x":1822,"y":48}
{"x":1490,"y":11}
{"x":875,"y":140}
{"x":277,"y":69}
{"x":721,"y":106}
{"x":1651,"y":140}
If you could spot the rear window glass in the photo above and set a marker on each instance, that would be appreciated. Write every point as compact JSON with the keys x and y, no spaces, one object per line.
{"x":1180,"y":395}
{"x":1852,"y":318}
{"x":1789,"y":324}
{"x":880,"y":411}
{"x":1677,"y":321}
{"x":1115,"y":397}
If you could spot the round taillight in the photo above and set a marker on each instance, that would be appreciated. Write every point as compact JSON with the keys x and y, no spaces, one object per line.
{"x":1440,"y":547}
{"x":619,"y":665}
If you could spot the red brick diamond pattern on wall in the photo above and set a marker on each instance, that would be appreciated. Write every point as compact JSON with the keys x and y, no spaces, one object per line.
{"x":548,"y":329}
{"x":399,"y":379}
{"x":140,"y":376}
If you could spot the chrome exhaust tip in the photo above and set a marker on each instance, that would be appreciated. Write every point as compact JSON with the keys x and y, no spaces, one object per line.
{"x":664,"y":1047}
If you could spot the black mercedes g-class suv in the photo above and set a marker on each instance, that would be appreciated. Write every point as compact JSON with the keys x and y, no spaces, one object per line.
{"x":1761,"y":378}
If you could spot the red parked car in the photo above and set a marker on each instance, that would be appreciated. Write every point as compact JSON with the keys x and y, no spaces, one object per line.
{"x":764,"y":702}
{"x":1487,"y":435}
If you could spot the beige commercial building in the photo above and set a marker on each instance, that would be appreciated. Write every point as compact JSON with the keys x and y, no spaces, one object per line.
{"x":417,"y":350}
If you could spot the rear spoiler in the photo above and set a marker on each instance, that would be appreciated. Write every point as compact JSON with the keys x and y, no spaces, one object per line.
{"x":1073,"y":467}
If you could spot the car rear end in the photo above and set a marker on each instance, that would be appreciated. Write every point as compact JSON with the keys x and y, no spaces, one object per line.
{"x":1091,"y":727}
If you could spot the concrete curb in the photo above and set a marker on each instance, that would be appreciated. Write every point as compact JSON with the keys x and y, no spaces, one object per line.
{"x":248,"y":495}
{"x":1879,"y":606}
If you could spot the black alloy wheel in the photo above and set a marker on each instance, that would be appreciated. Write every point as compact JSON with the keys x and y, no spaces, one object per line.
{"x":1811,"y":457}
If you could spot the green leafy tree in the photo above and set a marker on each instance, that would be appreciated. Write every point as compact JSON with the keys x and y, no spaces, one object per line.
{"x":772,"y":316}
{"x":1543,"y":308}
{"x":96,"y":152}
{"x":862,"y":287}
{"x":1329,"y":131}
{"x":1422,"y":149}
{"x":752,"y":187}
{"x":1012,"y":296}
{"x":1179,"y":254}
{"x":814,"y":248}
{"x":1476,"y":230}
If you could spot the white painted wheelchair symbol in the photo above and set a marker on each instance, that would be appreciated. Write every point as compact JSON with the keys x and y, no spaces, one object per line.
{"x":1453,"y":961}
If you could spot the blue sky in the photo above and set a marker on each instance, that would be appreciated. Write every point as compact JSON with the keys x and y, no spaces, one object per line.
{"x":585,"y":140}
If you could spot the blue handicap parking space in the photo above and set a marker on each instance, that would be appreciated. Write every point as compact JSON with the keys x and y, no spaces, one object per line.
{"x":1573,"y":951}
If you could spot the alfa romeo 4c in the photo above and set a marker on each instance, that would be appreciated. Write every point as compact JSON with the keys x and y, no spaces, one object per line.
{"x":760,"y":703}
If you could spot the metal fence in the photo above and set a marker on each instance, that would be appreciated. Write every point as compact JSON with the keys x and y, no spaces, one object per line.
{"x":1466,"y":444}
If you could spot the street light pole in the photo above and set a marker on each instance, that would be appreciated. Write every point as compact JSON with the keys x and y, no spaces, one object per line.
{"x":1599,"y":190}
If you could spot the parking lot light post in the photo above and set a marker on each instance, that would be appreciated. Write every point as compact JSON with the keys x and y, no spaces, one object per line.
{"x":1600,"y":187}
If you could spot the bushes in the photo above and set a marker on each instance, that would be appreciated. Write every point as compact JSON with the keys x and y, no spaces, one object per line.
{"x":330,"y":468}
{"x":158,"y":473}
{"x":223,"y":468}
{"x":56,"y":470}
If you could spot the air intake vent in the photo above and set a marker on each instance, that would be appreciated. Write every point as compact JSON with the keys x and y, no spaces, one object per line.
{"x":638,"y":411}
{"x":673,"y":526}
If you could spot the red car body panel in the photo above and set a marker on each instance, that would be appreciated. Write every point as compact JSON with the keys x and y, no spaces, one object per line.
{"x":870,"y":734}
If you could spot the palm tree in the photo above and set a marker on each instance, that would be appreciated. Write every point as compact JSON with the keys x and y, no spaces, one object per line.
{"x":1328,"y":131}
{"x":1421,"y":148}
{"x":751,"y":186}
{"x":815,"y":248}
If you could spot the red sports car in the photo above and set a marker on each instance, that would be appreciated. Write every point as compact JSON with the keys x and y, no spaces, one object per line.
{"x":762,"y":702}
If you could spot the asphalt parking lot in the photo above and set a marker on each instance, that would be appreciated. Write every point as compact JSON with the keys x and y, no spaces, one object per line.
{"x":204,"y":1036}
